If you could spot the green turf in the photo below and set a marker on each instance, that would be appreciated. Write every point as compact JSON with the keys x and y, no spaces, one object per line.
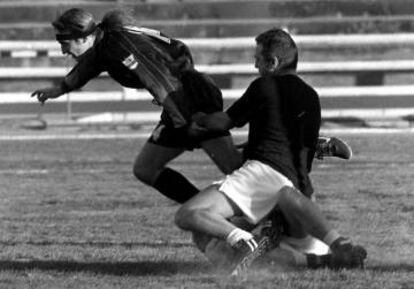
{"x":72,"y":216}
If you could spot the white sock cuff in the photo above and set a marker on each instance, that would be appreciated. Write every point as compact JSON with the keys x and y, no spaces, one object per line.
{"x":331,"y":237}
{"x":236,"y":235}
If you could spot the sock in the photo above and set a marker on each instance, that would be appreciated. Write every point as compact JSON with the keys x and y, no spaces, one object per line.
{"x":317,"y":261}
{"x":238,"y":234}
{"x":331,"y":237}
{"x":175,"y":186}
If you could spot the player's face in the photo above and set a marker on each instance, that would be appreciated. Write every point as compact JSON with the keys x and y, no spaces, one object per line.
{"x":75,"y":47}
{"x":265,"y":67}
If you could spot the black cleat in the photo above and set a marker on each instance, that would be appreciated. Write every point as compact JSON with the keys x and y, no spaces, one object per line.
{"x":346,"y":255}
{"x":332,"y":147}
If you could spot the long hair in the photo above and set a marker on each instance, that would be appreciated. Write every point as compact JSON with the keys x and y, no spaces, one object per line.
{"x":276,"y":42}
{"x":116,"y":19}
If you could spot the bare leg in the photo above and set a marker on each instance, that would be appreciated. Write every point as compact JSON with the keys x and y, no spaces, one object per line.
{"x":207,"y":213}
{"x":299,"y":209}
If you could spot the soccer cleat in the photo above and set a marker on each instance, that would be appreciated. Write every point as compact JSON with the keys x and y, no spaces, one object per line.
{"x":267,"y":237}
{"x":245,"y":252}
{"x":237,"y":259}
{"x":346,"y":255}
{"x":351,"y":260}
{"x":332,"y":147}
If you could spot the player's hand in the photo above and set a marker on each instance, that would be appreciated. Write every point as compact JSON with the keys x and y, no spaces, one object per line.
{"x":46,"y":93}
{"x":198,"y":117}
{"x":194,"y":130}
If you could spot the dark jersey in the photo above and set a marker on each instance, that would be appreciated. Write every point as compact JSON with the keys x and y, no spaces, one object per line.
{"x":284,"y":118}
{"x":144,"y":58}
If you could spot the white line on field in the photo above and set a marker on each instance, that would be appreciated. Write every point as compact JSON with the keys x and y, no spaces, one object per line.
{"x":45,"y":171}
{"x":24,"y":172}
{"x":357,"y":130}
{"x":322,"y":168}
{"x":73,"y":136}
{"x":87,"y":136}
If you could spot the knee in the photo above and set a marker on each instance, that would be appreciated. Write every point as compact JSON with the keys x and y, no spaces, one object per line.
{"x":143,"y":174}
{"x":184,"y":216}
{"x":290,"y":199}
{"x":138,"y":172}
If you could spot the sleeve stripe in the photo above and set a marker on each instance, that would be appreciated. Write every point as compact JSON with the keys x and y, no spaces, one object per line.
{"x":149,"y":32}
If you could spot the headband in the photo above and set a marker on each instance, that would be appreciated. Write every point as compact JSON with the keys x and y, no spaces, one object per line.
{"x":76,"y":34}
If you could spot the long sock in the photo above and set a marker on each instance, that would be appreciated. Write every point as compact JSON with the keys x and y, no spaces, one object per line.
{"x":175,"y":186}
{"x":317,"y":261}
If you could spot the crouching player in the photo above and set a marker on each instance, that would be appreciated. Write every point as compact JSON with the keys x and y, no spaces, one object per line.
{"x":283,"y":113}
{"x":291,"y":251}
{"x":302,"y":251}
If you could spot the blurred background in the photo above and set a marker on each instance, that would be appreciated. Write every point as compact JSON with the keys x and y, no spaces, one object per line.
{"x":358,"y":54}
{"x":74,"y":216}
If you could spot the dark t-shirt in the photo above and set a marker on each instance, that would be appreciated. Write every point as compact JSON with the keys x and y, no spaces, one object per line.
{"x":284,"y":118}
{"x":144,"y":58}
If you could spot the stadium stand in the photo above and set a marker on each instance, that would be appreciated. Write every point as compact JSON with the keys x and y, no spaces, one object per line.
{"x":219,"y":18}
{"x":356,"y":69}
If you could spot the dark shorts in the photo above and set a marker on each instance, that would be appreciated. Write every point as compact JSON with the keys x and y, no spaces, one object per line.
{"x":168,"y":136}
{"x":199,"y":94}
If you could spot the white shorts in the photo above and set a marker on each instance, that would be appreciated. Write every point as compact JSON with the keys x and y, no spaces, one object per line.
{"x":254,"y":188}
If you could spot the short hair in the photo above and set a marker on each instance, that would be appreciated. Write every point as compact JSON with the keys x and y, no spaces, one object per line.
{"x":74,"y":23}
{"x":277,"y":42}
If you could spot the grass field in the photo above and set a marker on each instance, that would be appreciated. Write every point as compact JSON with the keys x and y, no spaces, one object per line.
{"x":72,"y":216}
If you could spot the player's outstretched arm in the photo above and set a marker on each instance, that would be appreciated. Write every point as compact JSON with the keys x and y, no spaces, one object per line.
{"x":46,"y":93}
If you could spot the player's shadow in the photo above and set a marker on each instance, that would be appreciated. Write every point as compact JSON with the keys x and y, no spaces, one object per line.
{"x":143,"y":268}
{"x":402,"y":267}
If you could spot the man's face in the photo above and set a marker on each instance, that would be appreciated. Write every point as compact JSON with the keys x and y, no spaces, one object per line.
{"x":75,"y":47}
{"x":264,"y":67}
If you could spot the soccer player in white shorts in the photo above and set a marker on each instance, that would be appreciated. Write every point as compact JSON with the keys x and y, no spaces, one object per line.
{"x":255,"y":189}
{"x":283,"y":113}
